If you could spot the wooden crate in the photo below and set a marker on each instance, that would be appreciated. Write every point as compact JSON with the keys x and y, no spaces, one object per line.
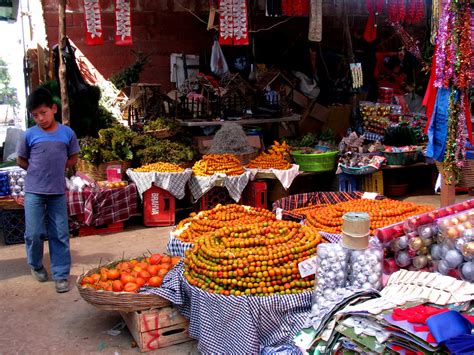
{"x":157,"y":328}
{"x":373,"y":182}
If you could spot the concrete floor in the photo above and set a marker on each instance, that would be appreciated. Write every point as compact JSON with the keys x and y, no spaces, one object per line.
{"x":37,"y":320}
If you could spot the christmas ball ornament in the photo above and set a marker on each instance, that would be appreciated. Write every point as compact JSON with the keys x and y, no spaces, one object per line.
{"x":453,"y":258}
{"x":22,"y":193}
{"x":424,"y":251}
{"x":20,"y":181}
{"x":468,"y":249}
{"x":468,"y":233}
{"x":17,"y":189}
{"x":436,"y":252}
{"x":426,"y":232}
{"x":416,"y":243}
{"x":403,"y":259}
{"x":443,"y":267}
{"x":402,"y":242}
{"x":467,"y":271}
{"x":427,"y":241}
{"x":23,"y":173}
{"x":419,"y":262}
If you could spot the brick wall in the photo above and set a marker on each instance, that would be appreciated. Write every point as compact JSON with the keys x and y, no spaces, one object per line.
{"x":159,"y":28}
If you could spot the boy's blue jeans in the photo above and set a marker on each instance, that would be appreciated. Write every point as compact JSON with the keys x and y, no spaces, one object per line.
{"x":57,"y":232}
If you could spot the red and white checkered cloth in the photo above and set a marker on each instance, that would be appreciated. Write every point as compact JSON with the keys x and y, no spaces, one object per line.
{"x":105,"y":206}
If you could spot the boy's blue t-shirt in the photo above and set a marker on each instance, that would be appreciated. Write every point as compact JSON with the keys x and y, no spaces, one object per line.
{"x":47,"y":154}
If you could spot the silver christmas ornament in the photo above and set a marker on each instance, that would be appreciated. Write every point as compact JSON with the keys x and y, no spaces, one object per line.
{"x":467,"y":271}
{"x":453,"y":258}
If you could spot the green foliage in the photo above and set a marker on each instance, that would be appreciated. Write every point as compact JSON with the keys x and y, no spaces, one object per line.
{"x":166,"y":151}
{"x":8,"y":94}
{"x":400,"y":135}
{"x":161,"y":123}
{"x":87,"y":116}
{"x":130,"y":74}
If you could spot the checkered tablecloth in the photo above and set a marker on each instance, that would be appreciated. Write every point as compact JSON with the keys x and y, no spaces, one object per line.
{"x":285,"y":177}
{"x":177,"y":247}
{"x":231,"y":324}
{"x":105,"y":206}
{"x":199,"y":185}
{"x":174,"y":183}
{"x":372,"y":136}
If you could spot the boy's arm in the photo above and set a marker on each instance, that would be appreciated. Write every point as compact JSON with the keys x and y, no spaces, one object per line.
{"x":72,"y":160}
{"x":22,"y":162}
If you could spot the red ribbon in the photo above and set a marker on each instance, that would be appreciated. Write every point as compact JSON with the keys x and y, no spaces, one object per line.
{"x":93,"y":23}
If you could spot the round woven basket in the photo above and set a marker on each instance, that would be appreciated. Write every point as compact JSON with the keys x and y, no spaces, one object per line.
{"x":160,"y":133}
{"x":118,"y":301}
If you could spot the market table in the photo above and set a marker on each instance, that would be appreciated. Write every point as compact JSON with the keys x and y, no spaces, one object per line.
{"x":244,"y":121}
{"x":105,"y":206}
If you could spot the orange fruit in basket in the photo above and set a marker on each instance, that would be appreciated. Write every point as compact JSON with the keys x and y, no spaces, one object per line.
{"x":143,"y":265}
{"x":117,"y":286}
{"x":140,"y":281}
{"x":131,"y":287}
{"x":155,"y":281}
{"x":153,"y":270}
{"x":162,"y":272}
{"x":166,"y":259}
{"x":126,"y":278}
{"x":87,"y":280}
{"x":155,"y":259}
{"x":113,"y":274}
{"x":137,"y":268}
{"x":144,"y":275}
{"x":95,"y":277}
{"x":175,"y":260}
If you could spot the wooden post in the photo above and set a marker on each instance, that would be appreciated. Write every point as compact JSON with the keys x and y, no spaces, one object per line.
{"x":448,"y":193}
{"x":62,"y":65}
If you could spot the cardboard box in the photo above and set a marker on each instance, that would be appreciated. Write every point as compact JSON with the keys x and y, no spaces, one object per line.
{"x":313,"y":119}
{"x":157,"y":328}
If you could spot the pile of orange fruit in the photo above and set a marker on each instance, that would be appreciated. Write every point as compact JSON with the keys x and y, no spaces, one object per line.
{"x":193,"y":227}
{"x":129,"y":276}
{"x":276,"y":157}
{"x":211,"y":164}
{"x":160,"y":167}
{"x":382,"y":213}
{"x":258,"y":259}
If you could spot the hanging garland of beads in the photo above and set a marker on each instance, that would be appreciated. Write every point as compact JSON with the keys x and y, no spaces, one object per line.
{"x":453,"y":71}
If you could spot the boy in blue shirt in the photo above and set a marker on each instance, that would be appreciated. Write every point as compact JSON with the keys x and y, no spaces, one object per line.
{"x":46,"y":151}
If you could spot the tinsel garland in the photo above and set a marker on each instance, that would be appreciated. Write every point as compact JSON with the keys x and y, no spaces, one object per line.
{"x":453,"y":63}
{"x":455,"y":154}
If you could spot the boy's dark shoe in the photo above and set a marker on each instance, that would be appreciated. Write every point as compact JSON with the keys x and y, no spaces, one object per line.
{"x":40,"y":274}
{"x":62,"y":286}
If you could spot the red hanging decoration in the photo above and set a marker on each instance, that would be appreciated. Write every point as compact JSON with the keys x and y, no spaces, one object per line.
{"x":415,"y":12}
{"x":93,"y":22}
{"x":295,"y":7}
{"x":370,"y":32}
{"x":233,"y":22}
{"x":123,"y":23}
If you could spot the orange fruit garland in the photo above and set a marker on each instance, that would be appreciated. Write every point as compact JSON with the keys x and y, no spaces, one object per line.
{"x":382,"y":213}
{"x":211,"y":164}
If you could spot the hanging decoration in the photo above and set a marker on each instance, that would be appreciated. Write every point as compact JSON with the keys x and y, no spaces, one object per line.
{"x":93,"y":22}
{"x":357,"y":75}
{"x":295,"y":7}
{"x":233,"y":22}
{"x":273,"y":8}
{"x":315,"y":32}
{"x":123,"y":23}
{"x":435,"y":7}
{"x":375,"y":8}
{"x":409,"y":43}
{"x":415,"y":12}
{"x":451,"y":121}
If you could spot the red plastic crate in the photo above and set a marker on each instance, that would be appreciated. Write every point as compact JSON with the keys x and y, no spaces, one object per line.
{"x":255,"y":194}
{"x":85,"y":231}
{"x":215,"y":196}
{"x":158,"y":207}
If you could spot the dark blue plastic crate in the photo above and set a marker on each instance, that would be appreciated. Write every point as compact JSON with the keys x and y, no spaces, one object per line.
{"x":13,"y":226}
{"x":4,"y":184}
{"x":349,"y":183}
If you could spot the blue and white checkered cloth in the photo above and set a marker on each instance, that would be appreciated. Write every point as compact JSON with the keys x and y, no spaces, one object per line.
{"x":177,"y":247}
{"x":330,"y":237}
{"x":199,"y":185}
{"x":231,"y":324}
{"x":372,"y":136}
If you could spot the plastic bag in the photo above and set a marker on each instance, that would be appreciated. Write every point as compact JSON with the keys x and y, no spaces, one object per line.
{"x":218,"y":63}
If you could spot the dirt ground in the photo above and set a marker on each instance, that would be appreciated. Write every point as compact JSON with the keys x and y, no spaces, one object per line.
{"x":37,"y":320}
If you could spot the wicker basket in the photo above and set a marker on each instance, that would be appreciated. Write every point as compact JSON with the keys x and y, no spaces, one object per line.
{"x":160,"y":133}
{"x":118,"y":301}
{"x":99,"y":172}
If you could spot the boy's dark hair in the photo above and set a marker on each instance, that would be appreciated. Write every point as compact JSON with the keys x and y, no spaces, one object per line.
{"x":40,"y":96}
